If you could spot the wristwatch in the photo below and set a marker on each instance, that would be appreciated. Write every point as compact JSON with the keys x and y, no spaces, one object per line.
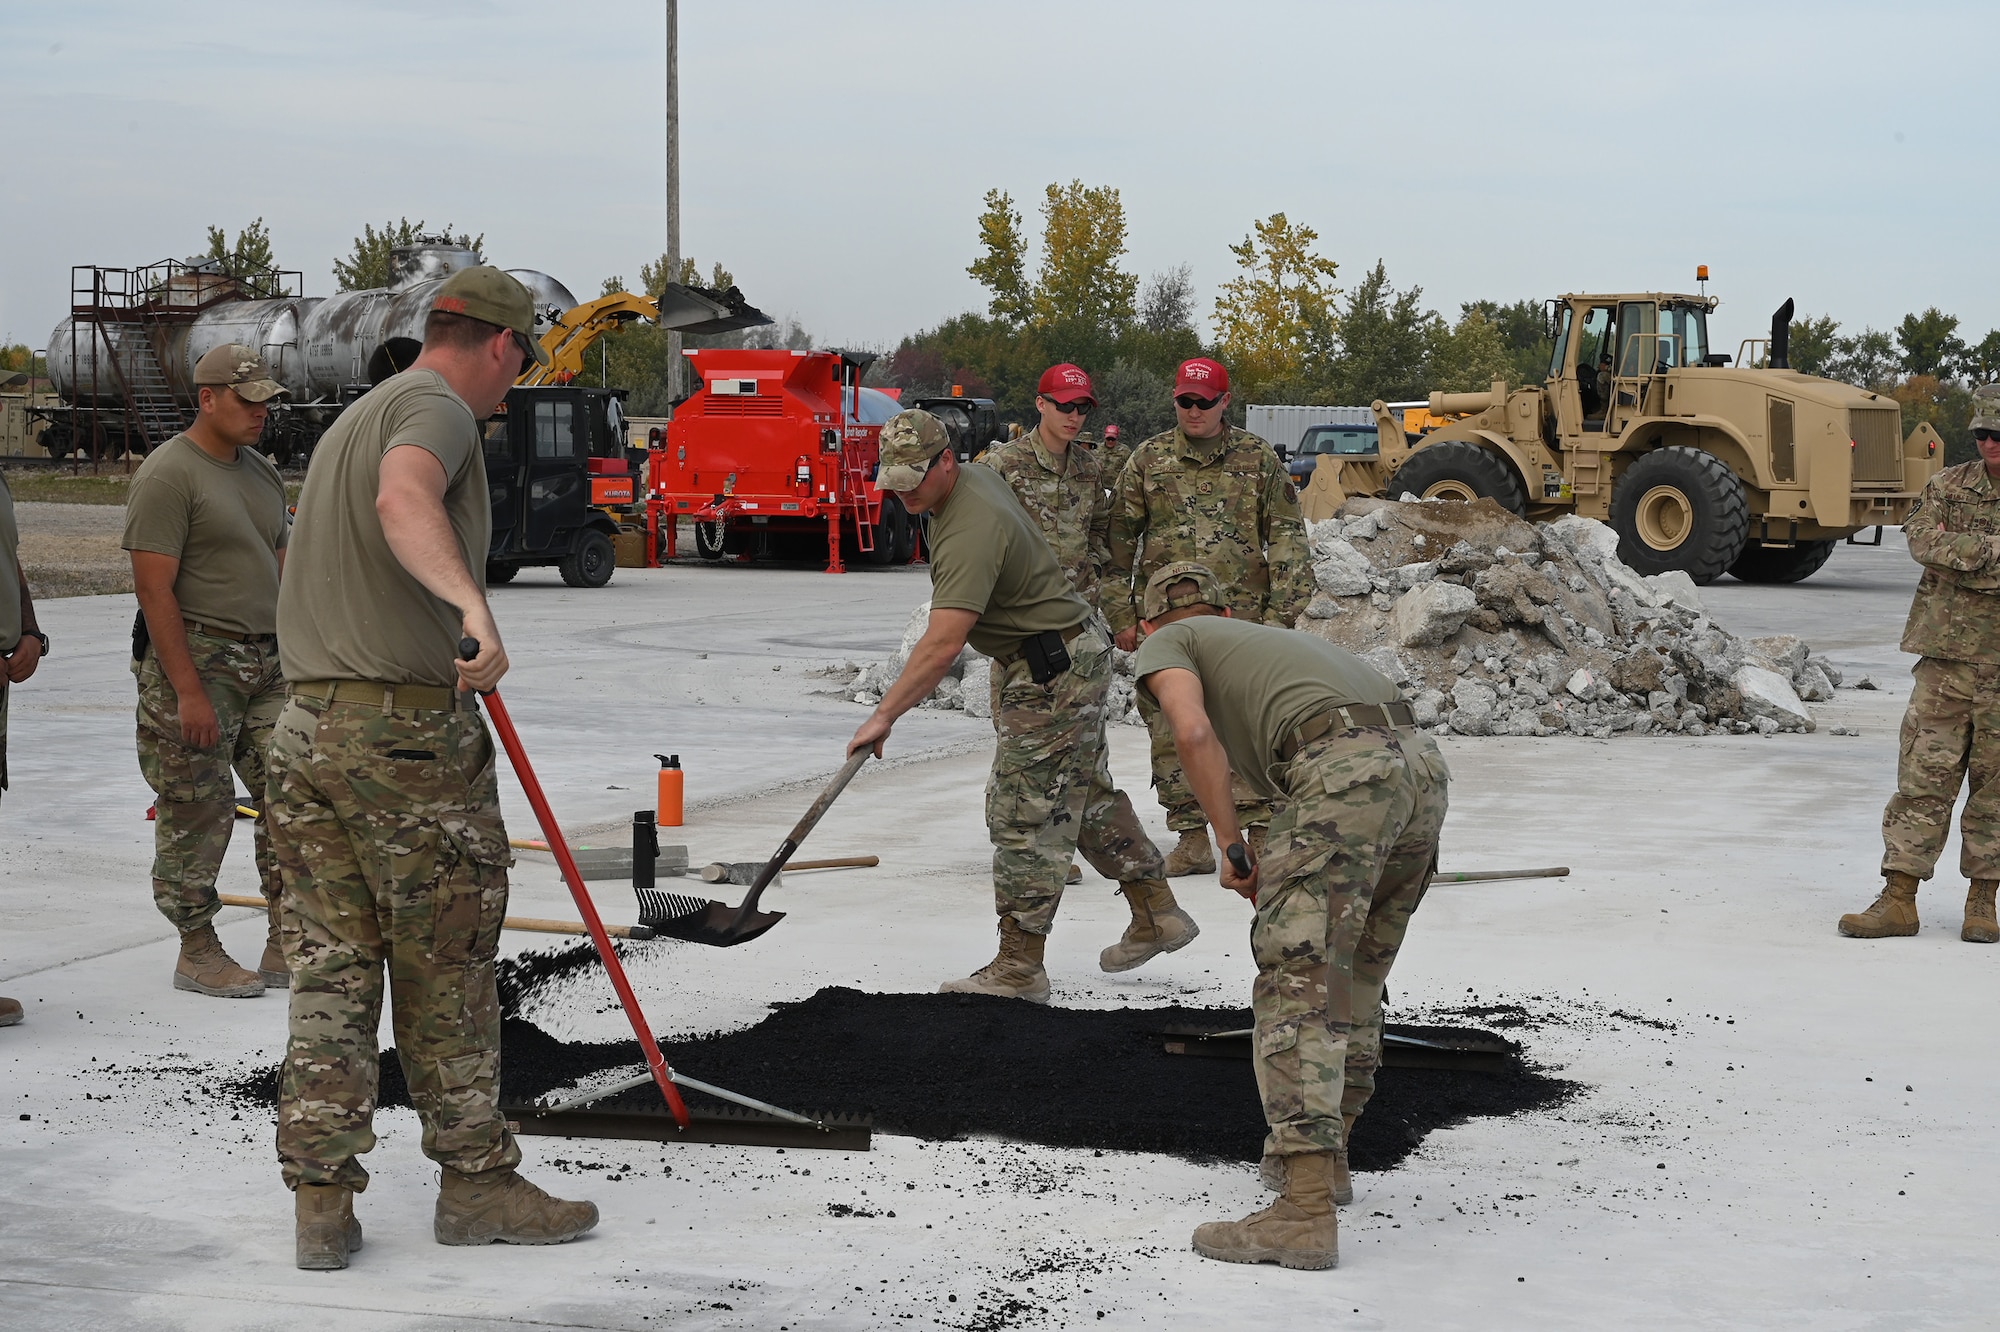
{"x":36,"y":633}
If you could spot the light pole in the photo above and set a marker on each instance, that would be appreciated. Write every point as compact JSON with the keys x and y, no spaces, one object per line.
{"x":674,"y":357}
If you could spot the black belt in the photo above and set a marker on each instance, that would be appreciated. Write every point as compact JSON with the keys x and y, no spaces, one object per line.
{"x":211,"y":631}
{"x":1350,"y":718}
{"x":1068,"y":636}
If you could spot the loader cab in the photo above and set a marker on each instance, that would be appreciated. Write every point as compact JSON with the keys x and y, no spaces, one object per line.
{"x":1609,"y":353}
{"x":556,"y":459}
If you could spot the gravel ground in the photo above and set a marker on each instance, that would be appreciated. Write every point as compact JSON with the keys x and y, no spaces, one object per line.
{"x":71,"y":550}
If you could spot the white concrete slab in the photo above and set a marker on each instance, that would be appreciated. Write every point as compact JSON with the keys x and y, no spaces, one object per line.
{"x":1758,"y":1162}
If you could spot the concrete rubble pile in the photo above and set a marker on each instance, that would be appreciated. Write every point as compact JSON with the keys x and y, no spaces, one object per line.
{"x":1494,"y":625}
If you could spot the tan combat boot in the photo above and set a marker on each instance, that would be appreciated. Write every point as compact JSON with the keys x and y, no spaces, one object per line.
{"x":1158,"y":926}
{"x":1075,"y":874}
{"x":1298,"y":1230}
{"x":1980,"y":924}
{"x":327,"y":1230}
{"x":10,"y":1011}
{"x":1192,"y":856}
{"x":206,"y":969}
{"x":271,"y":968}
{"x":1015,"y":974}
{"x":1271,"y":1171}
{"x":1892,"y":914}
{"x":508,"y":1210}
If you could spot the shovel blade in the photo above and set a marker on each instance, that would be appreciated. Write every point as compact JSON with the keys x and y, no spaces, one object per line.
{"x":697,"y":920}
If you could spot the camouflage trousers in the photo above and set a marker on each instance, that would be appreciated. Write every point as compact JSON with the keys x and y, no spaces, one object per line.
{"x":194,"y":796}
{"x":1050,"y":793}
{"x":1951,"y":739}
{"x":391,"y":851}
{"x":1349,"y":856}
{"x":1170,"y":783}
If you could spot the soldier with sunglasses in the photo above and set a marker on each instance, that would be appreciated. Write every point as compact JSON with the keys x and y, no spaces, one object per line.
{"x":1208,"y":493}
{"x":1951,"y":730}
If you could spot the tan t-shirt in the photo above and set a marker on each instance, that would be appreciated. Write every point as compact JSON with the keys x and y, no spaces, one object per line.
{"x":225,"y":523}
{"x":988,"y":556}
{"x":348,"y":609}
{"x":10,"y":574}
{"x":1258,"y":683}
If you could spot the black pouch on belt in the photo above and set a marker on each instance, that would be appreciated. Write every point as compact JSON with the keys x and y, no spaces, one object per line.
{"x":1047,"y":656}
{"x":142,"y":636}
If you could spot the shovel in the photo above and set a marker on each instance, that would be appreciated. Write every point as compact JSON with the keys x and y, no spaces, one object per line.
{"x":746,"y":871}
{"x":720,"y":925}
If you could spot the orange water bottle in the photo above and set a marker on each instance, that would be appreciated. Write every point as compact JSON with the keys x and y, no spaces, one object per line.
{"x":670,"y":790}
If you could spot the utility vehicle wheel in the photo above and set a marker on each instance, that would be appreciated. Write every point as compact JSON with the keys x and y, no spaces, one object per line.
{"x":906,"y":533}
{"x":497,"y":574}
{"x":1459,"y":470}
{"x":1788,"y":564}
{"x":888,"y":532}
{"x":708,"y":539}
{"x":590,"y":560}
{"x":1680,"y":508}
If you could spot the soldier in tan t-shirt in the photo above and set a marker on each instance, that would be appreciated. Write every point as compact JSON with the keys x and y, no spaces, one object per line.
{"x":22,"y":644}
{"x":206,"y":528}
{"x":996,"y":584}
{"x":384,"y":800}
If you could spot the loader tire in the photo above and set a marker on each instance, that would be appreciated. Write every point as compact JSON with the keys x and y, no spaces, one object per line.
{"x":590,"y":560}
{"x":1783,"y":564}
{"x":1459,"y":470}
{"x":1680,"y":508}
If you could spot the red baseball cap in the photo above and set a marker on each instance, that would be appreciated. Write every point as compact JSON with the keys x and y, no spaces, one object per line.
{"x":1202,"y":377}
{"x":1065,"y":383}
{"x":1111,"y":432}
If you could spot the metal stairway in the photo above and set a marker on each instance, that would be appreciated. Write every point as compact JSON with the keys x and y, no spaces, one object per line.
{"x":148,"y":397}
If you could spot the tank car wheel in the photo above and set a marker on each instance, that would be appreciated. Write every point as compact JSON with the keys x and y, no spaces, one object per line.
{"x":1785,"y":564}
{"x":590,"y":561}
{"x":709,"y":539}
{"x":1459,"y":470}
{"x":1680,"y":508}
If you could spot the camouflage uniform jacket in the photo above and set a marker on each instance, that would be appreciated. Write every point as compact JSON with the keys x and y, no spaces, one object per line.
{"x":1955,"y":534}
{"x":1226,"y":502}
{"x":1069,"y":504}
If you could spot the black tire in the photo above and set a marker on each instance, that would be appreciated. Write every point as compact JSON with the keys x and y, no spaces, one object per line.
{"x":1459,"y":469}
{"x":709,"y":539}
{"x":906,"y":533}
{"x":1785,"y":564}
{"x":888,"y":532}
{"x":1680,"y":508}
{"x":590,"y":560}
{"x":497,"y":574}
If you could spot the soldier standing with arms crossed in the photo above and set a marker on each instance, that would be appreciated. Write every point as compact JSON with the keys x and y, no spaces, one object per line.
{"x":1346,"y":863}
{"x":1951,"y":730}
{"x":1059,"y":485}
{"x":1205,"y":491}
{"x":22,"y":647}
{"x":206,"y":528}
{"x":384,"y":803}
{"x":996,"y":584}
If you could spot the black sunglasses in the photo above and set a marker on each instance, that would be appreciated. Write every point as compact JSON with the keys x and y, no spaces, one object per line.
{"x":1188,"y":402}
{"x":527,"y":349}
{"x":1077,"y":408}
{"x":1982,"y":434}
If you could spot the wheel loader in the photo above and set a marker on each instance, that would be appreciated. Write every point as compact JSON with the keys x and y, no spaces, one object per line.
{"x":1700,"y":461}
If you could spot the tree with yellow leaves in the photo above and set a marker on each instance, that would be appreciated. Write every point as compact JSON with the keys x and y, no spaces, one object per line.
{"x":1276,"y":317}
{"x":1079,"y":291}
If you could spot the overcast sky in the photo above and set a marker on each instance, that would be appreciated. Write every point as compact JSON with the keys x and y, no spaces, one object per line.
{"x":834,"y":155}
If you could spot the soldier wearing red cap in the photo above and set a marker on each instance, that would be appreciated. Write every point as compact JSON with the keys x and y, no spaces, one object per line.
{"x":1112,"y":455}
{"x":1207,"y":492}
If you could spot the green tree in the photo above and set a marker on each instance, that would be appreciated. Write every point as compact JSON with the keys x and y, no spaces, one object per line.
{"x":1385,"y":341}
{"x":1523,"y":329}
{"x":1002,"y":264}
{"x":1138,"y":399}
{"x":19,"y":358}
{"x":1079,"y":285}
{"x":1276,"y":317}
{"x":987,"y":356}
{"x":367,"y":266}
{"x":1982,"y":362}
{"x":1814,"y":344}
{"x":1929,"y":344}
{"x":1867,"y":359}
{"x":653,"y":276}
{"x":1469,"y":356}
{"x":249,"y":257}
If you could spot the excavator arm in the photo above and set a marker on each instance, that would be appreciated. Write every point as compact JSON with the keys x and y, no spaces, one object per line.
{"x":681,"y":309}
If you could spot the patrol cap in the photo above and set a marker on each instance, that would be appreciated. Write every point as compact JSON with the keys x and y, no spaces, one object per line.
{"x":487,"y":294}
{"x":1202,"y":377}
{"x":233,"y":365}
{"x":1066,"y":383}
{"x":910,"y":439}
{"x":1207,"y":589}
{"x":1986,"y":407}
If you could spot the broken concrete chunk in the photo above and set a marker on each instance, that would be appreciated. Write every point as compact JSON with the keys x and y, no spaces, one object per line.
{"x":1675,"y":588}
{"x":1343,"y":571}
{"x":1766,"y":694}
{"x":1472,"y":707}
{"x":1783,"y":653}
{"x":1425,"y":616}
{"x":1812,"y":684}
{"x":1385,"y":660}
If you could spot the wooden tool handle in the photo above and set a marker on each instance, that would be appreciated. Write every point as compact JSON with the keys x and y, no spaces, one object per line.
{"x":529,"y":923}
{"x":1490,"y":876}
{"x":799,"y":831}
{"x":839,"y":862}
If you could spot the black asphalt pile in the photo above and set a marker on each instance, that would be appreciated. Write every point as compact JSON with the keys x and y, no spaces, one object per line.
{"x":947,"y":1066}
{"x":1497,"y":626}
